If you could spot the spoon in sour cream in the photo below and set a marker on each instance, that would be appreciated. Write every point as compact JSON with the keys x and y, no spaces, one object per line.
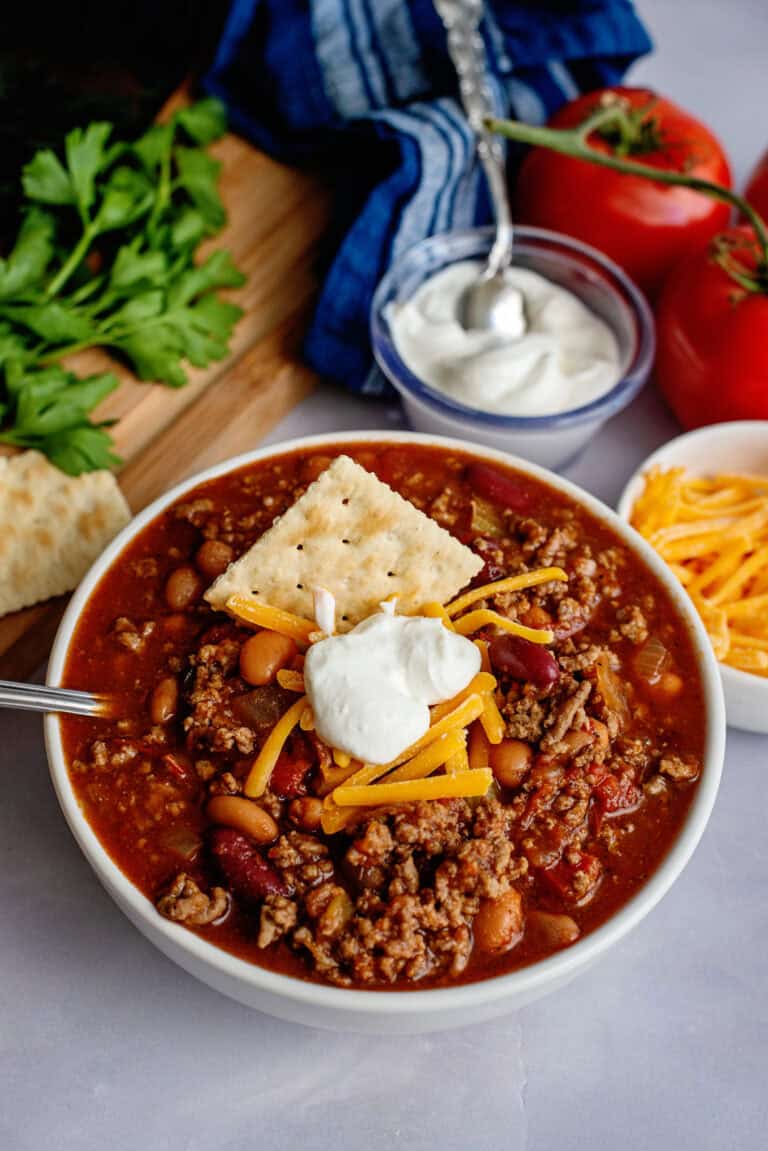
{"x":490,"y":303}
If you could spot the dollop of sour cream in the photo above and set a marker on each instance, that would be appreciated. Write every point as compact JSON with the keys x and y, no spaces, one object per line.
{"x":566,"y":358}
{"x":371,"y":688}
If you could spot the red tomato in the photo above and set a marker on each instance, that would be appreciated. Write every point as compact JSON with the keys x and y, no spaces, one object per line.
{"x":757,"y":188}
{"x":712,"y":338}
{"x":643,"y":226}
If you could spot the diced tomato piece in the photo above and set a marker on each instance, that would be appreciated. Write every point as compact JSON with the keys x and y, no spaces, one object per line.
{"x":576,"y":878}
{"x":617,"y":794}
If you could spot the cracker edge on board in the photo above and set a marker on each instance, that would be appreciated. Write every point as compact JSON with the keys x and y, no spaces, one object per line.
{"x":458,"y":562}
{"x":53,"y":526}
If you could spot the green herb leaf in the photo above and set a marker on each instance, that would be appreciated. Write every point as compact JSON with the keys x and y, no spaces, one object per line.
{"x":133,"y":268}
{"x":85,"y":150}
{"x":198,"y":175}
{"x":82,"y":448}
{"x":154,"y":146}
{"x":127,"y":196}
{"x":30,"y":255}
{"x":218,"y":271}
{"x":45,"y":179}
{"x":138,"y":292}
{"x":53,"y":322}
{"x":204,"y":121}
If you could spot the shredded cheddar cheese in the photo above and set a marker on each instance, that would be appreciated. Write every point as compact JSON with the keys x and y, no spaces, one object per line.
{"x":261,"y":769}
{"x":437,"y":611}
{"x":484,"y":617}
{"x":511,"y":583}
{"x":254,"y":611}
{"x":491,"y":720}
{"x":713,"y":533}
{"x":482,"y":683}
{"x":466,"y":783}
{"x":291,"y":680}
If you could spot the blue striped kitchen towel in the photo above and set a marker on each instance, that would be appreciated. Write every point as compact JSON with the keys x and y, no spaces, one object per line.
{"x":364,"y":89}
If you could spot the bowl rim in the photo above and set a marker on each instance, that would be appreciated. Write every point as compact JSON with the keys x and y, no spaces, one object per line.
{"x":431,"y":1001}
{"x":624,"y":390}
{"x":739,"y":679}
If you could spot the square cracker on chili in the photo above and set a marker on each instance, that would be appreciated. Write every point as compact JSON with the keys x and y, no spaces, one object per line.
{"x":350,"y":533}
{"x":52,"y":527}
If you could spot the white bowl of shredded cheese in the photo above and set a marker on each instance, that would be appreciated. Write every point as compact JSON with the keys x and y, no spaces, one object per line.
{"x":733,"y":449}
{"x":541,"y":393}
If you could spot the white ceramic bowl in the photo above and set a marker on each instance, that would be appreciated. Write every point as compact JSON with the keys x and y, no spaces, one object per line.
{"x":551,"y":440}
{"x":741,"y":446}
{"x":371,"y":1011}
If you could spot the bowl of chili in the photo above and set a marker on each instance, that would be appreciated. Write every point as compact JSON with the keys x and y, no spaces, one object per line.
{"x":443,"y":915}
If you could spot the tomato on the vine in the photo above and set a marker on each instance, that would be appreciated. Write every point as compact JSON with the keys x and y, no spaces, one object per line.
{"x":757,"y":187}
{"x":712,"y":333}
{"x":645,"y":227}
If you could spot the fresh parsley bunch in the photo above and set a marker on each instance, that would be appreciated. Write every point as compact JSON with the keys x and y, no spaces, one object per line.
{"x":105,"y":256}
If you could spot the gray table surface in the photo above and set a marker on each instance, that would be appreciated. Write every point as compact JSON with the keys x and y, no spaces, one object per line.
{"x":106,"y":1044}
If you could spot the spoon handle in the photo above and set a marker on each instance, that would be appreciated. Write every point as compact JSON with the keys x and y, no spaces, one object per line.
{"x":33,"y":697}
{"x":467,"y":51}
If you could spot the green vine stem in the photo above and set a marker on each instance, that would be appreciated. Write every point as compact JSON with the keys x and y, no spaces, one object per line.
{"x":574,"y":142}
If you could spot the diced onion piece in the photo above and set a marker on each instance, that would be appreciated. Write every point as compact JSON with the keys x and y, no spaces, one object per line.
{"x":651,"y":659}
{"x":483,"y":617}
{"x":341,"y":758}
{"x":466,"y":783}
{"x":291,"y":680}
{"x":307,"y":719}
{"x":252,"y":610}
{"x":492,"y":721}
{"x":261,"y":769}
{"x":511,"y":583}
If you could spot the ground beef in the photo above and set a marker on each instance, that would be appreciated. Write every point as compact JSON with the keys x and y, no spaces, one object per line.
{"x":211,"y":722}
{"x":184,"y":902}
{"x":632,"y":623}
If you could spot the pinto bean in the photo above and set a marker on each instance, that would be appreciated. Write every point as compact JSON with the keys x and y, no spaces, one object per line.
{"x":498,"y":924}
{"x":242,"y":815}
{"x":510,"y":761}
{"x":263,"y":655}
{"x":165,"y":700}
{"x":182,"y":588}
{"x":213,"y":557}
{"x":306,"y":812}
{"x":549,"y":930}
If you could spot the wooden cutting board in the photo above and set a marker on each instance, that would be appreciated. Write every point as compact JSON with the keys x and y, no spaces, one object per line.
{"x":276,"y":217}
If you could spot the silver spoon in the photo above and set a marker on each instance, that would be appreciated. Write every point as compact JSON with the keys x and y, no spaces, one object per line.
{"x":491,"y":302}
{"x":33,"y":697}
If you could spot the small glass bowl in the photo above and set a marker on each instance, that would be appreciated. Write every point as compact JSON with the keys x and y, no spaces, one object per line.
{"x":550,"y":440}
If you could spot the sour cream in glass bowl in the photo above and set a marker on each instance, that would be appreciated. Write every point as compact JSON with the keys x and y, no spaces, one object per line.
{"x":586,"y":351}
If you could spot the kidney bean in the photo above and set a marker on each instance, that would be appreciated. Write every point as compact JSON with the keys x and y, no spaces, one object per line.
{"x":521,"y":659}
{"x":289,"y":775}
{"x":499,"y":488}
{"x":243,"y":867}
